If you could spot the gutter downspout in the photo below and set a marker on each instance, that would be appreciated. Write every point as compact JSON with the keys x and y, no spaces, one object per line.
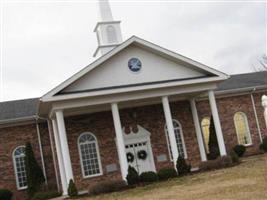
{"x":41,"y":149}
{"x":255,"y":113}
{"x":53,"y":153}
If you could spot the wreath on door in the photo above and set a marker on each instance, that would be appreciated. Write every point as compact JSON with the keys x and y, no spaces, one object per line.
{"x":142,"y":154}
{"x":130,"y":157}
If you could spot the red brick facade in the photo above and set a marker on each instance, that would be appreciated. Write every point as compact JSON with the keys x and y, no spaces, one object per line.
{"x":101,"y":125}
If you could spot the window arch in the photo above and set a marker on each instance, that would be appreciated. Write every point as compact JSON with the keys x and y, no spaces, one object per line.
{"x":242,"y":128}
{"x":111,"y":34}
{"x":20,"y":168}
{"x":89,"y":155}
{"x":205,"y":126}
{"x":179,"y":139}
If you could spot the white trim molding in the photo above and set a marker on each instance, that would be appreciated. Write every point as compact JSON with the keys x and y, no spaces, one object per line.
{"x":247,"y":131}
{"x":15,"y":167}
{"x":97,"y":154}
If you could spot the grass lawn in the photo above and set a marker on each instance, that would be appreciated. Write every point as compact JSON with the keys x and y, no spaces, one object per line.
{"x":247,"y":181}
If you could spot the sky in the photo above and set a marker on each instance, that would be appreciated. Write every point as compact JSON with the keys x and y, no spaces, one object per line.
{"x":44,"y":42}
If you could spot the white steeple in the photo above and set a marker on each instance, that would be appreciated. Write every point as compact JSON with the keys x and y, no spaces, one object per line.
{"x":107,"y":30}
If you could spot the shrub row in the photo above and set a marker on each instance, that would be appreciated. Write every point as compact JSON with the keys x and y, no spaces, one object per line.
{"x":220,"y":162}
{"x":5,"y":194}
{"x":107,"y":186}
{"x":45,"y":195}
{"x":263,"y":146}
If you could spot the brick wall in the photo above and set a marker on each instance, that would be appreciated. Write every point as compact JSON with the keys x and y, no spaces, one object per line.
{"x":227,"y":107}
{"x":12,"y":137}
{"x":149,"y":117}
{"x":101,"y":125}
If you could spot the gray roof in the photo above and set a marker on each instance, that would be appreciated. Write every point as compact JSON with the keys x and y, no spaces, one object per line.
{"x":18,"y":109}
{"x":244,"y":81}
{"x":28,"y":107}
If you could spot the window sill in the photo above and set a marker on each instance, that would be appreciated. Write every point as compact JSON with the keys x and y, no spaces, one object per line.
{"x":22,"y":188}
{"x":92,"y":176}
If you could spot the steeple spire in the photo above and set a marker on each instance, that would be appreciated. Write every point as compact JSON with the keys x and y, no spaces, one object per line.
{"x":107,"y":30}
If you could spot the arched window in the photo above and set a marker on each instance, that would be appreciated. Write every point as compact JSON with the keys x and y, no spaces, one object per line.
{"x":179,"y":139}
{"x":19,"y":166}
{"x":111,"y":34}
{"x":205,"y":125}
{"x":242,"y":128}
{"x":89,"y":155}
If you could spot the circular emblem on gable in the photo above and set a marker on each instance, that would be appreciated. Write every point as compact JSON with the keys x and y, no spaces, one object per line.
{"x":134,"y":64}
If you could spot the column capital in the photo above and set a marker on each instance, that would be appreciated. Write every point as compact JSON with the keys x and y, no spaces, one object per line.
{"x":264,"y":101}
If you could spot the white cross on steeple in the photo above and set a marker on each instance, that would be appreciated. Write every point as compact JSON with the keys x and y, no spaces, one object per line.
{"x":107,"y":30}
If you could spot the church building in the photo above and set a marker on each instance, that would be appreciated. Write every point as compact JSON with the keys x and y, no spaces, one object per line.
{"x":138,"y":104}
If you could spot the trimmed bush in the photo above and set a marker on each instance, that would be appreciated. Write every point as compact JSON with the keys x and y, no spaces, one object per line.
{"x":240,"y":150}
{"x":35,"y":176}
{"x":221,"y":162}
{"x":182,"y":167}
{"x":45,"y":195}
{"x":214,"y":151}
{"x":132,"y":176}
{"x":107,"y":187}
{"x":234,"y":157}
{"x":263,"y":145}
{"x":5,"y":194}
{"x":167,"y":173}
{"x":148,"y":177}
{"x":72,"y":190}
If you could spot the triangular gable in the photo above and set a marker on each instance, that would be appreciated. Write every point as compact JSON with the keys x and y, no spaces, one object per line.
{"x":107,"y":72}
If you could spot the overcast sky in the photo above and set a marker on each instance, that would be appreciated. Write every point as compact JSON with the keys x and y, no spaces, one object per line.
{"x":46,"y":42}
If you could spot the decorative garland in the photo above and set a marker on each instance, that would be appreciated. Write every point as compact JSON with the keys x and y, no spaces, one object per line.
{"x":130,"y":157}
{"x":142,"y":154}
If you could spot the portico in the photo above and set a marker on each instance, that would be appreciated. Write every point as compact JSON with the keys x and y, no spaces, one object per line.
{"x":157,"y":77}
{"x":61,"y":135}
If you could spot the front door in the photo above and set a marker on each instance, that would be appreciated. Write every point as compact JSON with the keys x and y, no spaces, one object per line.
{"x":139,"y":156}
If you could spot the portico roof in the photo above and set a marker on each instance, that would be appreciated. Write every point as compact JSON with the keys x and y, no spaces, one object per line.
{"x":58,"y":93}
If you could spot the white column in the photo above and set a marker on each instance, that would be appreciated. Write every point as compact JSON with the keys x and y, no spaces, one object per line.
{"x":120,"y":140}
{"x":64,"y":145}
{"x":169,"y":123}
{"x":264,"y":104}
{"x":201,"y":146}
{"x":217,"y":123}
{"x":64,"y":183}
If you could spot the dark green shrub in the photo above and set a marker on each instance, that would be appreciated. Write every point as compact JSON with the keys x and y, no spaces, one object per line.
{"x":45,"y":195}
{"x":35,"y":176}
{"x":214,"y":151}
{"x":182,"y":167}
{"x":5,"y":194}
{"x":132,"y":176}
{"x":221,"y":162}
{"x":167,"y":173}
{"x":240,"y":149}
{"x":263,"y":145}
{"x":148,"y":177}
{"x":72,"y":190}
{"x":107,"y":187}
{"x":234,"y":157}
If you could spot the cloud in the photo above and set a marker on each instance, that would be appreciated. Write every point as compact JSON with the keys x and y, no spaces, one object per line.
{"x":45,"y":43}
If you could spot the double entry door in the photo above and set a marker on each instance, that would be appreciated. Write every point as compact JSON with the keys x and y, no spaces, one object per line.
{"x":139,"y":156}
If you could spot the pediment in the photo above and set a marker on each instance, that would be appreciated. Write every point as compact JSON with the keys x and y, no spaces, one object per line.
{"x":111,"y":71}
{"x":115,"y":72}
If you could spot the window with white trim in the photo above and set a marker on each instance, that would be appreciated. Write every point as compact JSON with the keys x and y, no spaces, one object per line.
{"x":89,"y":155}
{"x":205,"y":125}
{"x":20,"y":168}
{"x":179,"y":139}
{"x":242,"y":128}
